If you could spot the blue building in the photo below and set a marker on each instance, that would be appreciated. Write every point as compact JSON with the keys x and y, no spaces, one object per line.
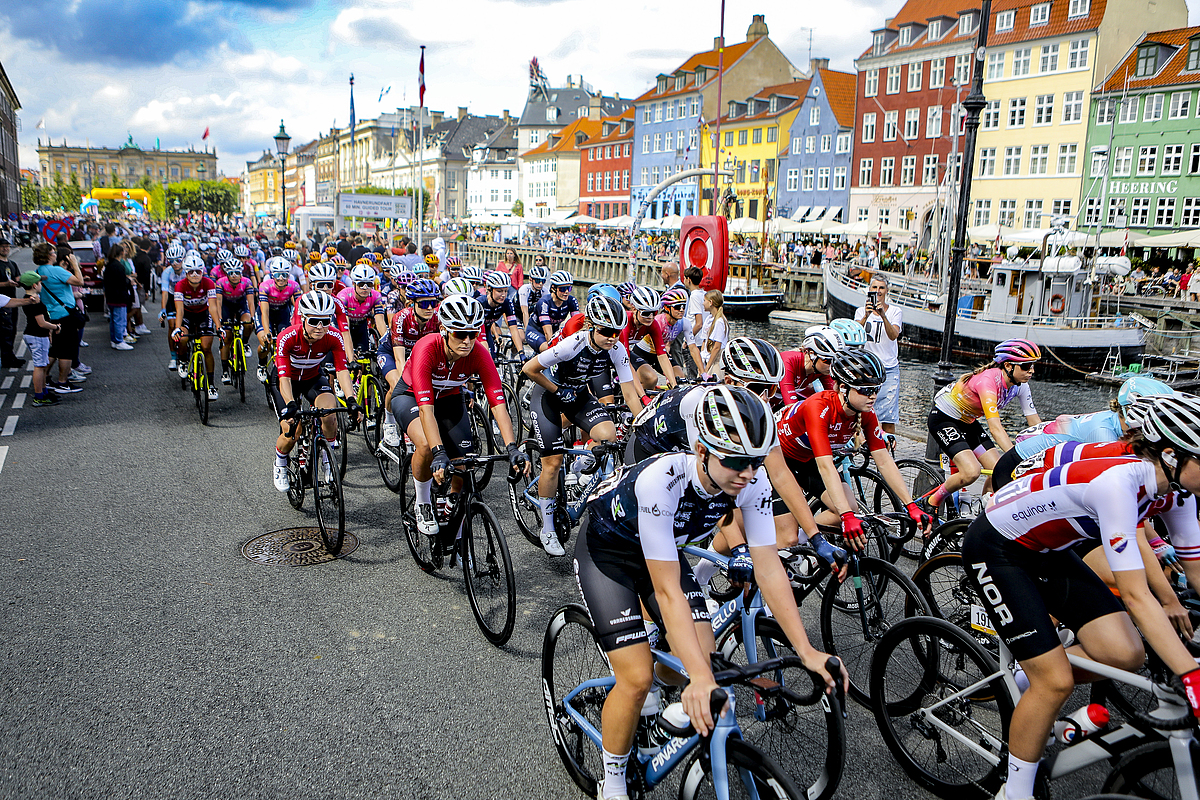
{"x":668,"y":120}
{"x":814,"y":170}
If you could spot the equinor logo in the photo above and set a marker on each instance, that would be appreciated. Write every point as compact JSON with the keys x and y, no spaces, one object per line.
{"x":1034,"y":510}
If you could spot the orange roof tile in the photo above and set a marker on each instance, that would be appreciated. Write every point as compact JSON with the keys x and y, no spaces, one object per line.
{"x":708,"y":58}
{"x":841,"y":90}
{"x":1058,"y":24}
{"x":566,"y":137}
{"x":1173,"y":72}
{"x":919,"y":12}
{"x":616,"y":135}
{"x":794,"y":89}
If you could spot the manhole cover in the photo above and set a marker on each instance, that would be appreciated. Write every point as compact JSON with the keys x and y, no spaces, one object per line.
{"x":294,"y":547}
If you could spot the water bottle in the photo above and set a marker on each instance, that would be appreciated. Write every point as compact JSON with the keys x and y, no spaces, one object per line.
{"x":649,"y":742}
{"x":1084,"y":721}
{"x":675,"y":715}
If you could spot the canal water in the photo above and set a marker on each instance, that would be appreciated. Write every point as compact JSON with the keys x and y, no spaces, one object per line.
{"x":916,"y":381}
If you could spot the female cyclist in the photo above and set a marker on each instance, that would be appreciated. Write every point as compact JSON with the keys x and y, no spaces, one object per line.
{"x":643,"y":338}
{"x":407,"y":327}
{"x":551,"y":311}
{"x":806,"y":371}
{"x":364,"y":306}
{"x":235,"y":295}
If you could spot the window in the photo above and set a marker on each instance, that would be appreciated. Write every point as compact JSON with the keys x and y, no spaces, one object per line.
{"x":1049,"y":58}
{"x":914,"y":76}
{"x":754,"y":171}
{"x":991,"y":116}
{"x":1193,"y":59}
{"x":1180,"y":104}
{"x":1091,"y":211}
{"x":983,"y":212}
{"x":891,"y":122}
{"x":868,"y":128}
{"x":934,"y":31}
{"x":1022,"y":57}
{"x":589,"y":185}
{"x":865,"y":166}
{"x":987,"y":161}
{"x":1172,"y":163}
{"x":810,"y":144}
{"x":658,"y":113}
{"x":772,"y":134}
{"x":647,"y":113}
{"x":1043,"y":109}
{"x":625,"y":179}
{"x":908,"y":170}
{"x":933,"y":122}
{"x":1106,"y":111}
{"x":839,"y":177}
{"x":1039,"y":159}
{"x":912,"y":123}
{"x":669,"y":141}
{"x":893,"y":80}
{"x":962,"y":70}
{"x":1127,"y":110}
{"x":1039,"y":15}
{"x":670,"y":111}
{"x":966,"y":24}
{"x":1060,"y":208}
{"x":826,"y":143}
{"x":1147,"y":159}
{"x":814,"y":115}
{"x":1007,"y":214}
{"x":1012,"y":160}
{"x":645,"y":176}
{"x":1078,"y":8}
{"x":842,"y":145}
{"x":929,"y":170}
{"x":1116,"y":212}
{"x":1164,"y":215}
{"x":1004,"y":21}
{"x":1147,"y":60}
{"x":995,"y":65}
{"x":658,"y":142}
{"x":887,"y":171}
{"x":885,"y":216}
{"x":743,"y":135}
{"x":693,"y":140}
{"x":823,"y":179}
{"x":608,"y":182}
{"x":696,"y":100}
{"x":1154,"y":108}
{"x":646,"y":143}
{"x":871,"y":86}
{"x":1072,"y":107}
{"x":807,"y":177}
{"x":1067,"y":155}
{"x":1123,"y":163}
{"x":756,"y":138}
{"x":1099,"y":164}
{"x":877,"y":43}
{"x":906,"y":35}
{"x":864,"y":214}
{"x":796,"y":145}
{"x":1033,"y":213}
{"x":937,"y":73}
{"x":1194,"y":165}
{"x":1016,"y":112}
{"x":1191,"y":211}
{"x":793,"y":180}
{"x":1077,"y":57}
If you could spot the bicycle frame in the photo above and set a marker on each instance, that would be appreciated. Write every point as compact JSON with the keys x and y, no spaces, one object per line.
{"x":575,"y":510}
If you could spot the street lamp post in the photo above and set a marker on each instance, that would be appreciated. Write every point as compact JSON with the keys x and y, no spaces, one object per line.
{"x":200,"y":170}
{"x":282,"y":140}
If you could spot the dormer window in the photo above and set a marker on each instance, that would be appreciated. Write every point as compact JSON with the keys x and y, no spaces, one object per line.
{"x":1005,"y":20}
{"x":774,"y":104}
{"x":700,"y":75}
{"x":905,"y":35}
{"x":1193,"y":58}
{"x":1078,"y":8}
{"x":966,"y":24}
{"x":662,"y":83}
{"x":877,"y":44}
{"x":680,"y":81}
{"x":935,"y":30}
{"x":1147,"y":60}
{"x":1039,"y":14}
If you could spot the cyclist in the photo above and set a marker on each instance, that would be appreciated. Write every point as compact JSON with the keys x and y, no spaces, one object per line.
{"x":275,"y":300}
{"x":299,"y":353}
{"x":574,"y":363}
{"x":196,"y":309}
{"x":1018,"y":560}
{"x":324,"y":278}
{"x":627,"y":556}
{"x":407,"y":327}
{"x":551,"y":311}
{"x":812,"y":430}
{"x":674,"y":303}
{"x":453,"y":269}
{"x":171,"y":274}
{"x":429,"y":402}
{"x":645,"y":331}
{"x":235,"y":295}
{"x":531,"y":292}
{"x":981,"y":393}
{"x":806,"y":371}
{"x":496,"y":308}
{"x":364,"y":306}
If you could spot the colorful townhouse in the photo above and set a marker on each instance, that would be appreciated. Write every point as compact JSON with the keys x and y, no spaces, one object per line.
{"x":550,"y":171}
{"x":1144,"y":114}
{"x":669,"y":117}
{"x":605,"y":161}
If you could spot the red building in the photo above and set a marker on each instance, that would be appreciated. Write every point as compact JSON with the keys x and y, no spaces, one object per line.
{"x":910,"y":84}
{"x":604,"y":167}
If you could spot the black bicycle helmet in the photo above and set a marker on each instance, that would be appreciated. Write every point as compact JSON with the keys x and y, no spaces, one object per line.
{"x":857,"y":369}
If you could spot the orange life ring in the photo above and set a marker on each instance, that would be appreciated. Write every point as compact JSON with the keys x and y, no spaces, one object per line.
{"x":1057,"y":304}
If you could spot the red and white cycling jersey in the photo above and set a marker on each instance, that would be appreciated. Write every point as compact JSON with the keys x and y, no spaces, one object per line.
{"x":428,"y":374}
{"x":1095,"y":498}
{"x":299,"y":359}
{"x":796,"y":385}
{"x":818,"y":426}
{"x":1067,"y":452}
{"x":407,"y":328}
{"x":342,"y":320}
{"x":195,"y":298}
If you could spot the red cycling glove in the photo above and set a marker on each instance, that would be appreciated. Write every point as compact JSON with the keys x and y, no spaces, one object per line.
{"x":851,"y":525}
{"x":1191,"y":690}
{"x":918,"y":516}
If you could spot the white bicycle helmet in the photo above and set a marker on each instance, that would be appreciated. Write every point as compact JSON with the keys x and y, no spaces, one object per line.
{"x":321,"y":273}
{"x":193,"y":261}
{"x":317,"y":304}
{"x":538,"y":274}
{"x":473,"y":274}
{"x":853,"y":333}
{"x":561,"y":278}
{"x":605,"y":312}
{"x":752,"y":360}
{"x":362,"y":274}
{"x":458,"y":285}
{"x":824,"y":341}
{"x":1174,"y":421}
{"x":241,"y":251}
{"x":175,"y":252}
{"x":497,"y":280}
{"x":459,"y":312}
{"x":291,"y":255}
{"x":277,"y":266}
{"x":733,"y":421}
{"x":645,"y":299}
{"x":224,"y":254}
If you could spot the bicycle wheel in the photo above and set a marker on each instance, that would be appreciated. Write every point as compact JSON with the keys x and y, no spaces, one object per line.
{"x":873,"y":494}
{"x":239,"y":369}
{"x":522,"y":496}
{"x":750,"y":773}
{"x":485,"y":441}
{"x":921,"y":479}
{"x":202,"y":397}
{"x":808,"y":741}
{"x":923,"y":662}
{"x":420,"y":545}
{"x":570,"y":657}
{"x":852,"y":624}
{"x":297,"y":475}
{"x":1148,"y":771}
{"x":327,"y":497}
{"x":510,"y":402}
{"x":945,"y":537}
{"x":488,"y":571}
{"x":943,"y":581}
{"x":523,"y":389}
{"x":389,"y":458}
{"x":342,"y":452}
{"x":373,"y":394}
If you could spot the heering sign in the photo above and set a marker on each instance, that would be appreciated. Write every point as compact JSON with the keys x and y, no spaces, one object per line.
{"x":1143,"y":187}
{"x":374,"y":206}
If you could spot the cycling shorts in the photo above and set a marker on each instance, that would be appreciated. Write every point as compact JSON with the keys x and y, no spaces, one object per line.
{"x":534,"y":338}
{"x":198,"y":324}
{"x":386,"y":361}
{"x":808,"y":475}
{"x":612,"y":581}
{"x":454,"y":423}
{"x":546,"y":412}
{"x":953,"y":435}
{"x":1002,"y":473}
{"x":1022,"y":588}
{"x":639,"y":358}
{"x":232,"y":310}
{"x":309,"y":389}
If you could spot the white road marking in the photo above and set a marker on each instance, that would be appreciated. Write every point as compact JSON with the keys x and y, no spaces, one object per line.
{"x":3,"y":455}
{"x":7,"y":383}
{"x":25,"y":381}
{"x":19,"y":401}
{"x":21,"y":349}
{"x":10,"y":425}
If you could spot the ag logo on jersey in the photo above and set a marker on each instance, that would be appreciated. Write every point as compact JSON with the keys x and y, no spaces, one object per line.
{"x":615,"y":507}
{"x":660,"y":425}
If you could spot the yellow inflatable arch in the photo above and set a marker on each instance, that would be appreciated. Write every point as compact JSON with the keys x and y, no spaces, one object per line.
{"x":141,"y":195}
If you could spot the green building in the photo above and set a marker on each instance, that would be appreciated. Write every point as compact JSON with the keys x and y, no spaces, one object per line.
{"x":1143,"y":144}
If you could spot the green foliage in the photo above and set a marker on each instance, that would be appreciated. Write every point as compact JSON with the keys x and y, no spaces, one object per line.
{"x":213,"y":197}
{"x":518,"y":209}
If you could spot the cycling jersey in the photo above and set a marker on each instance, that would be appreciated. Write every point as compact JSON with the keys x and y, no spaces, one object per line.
{"x":573,"y":325}
{"x":195,"y":298}
{"x":299,"y":359}
{"x":668,"y":424}
{"x":982,"y":395}
{"x":493,"y":314}
{"x":358,"y":310}
{"x":1070,"y":451}
{"x":552,"y":314}
{"x":817,"y":426}
{"x":574,"y":361}
{"x":279,"y":302}
{"x":648,"y":338}
{"x":235,"y":293}
{"x":167,"y":281}
{"x":428,"y":374}
{"x":795,"y":384}
{"x":341,"y":320}
{"x":407,"y":328}
{"x":1102,"y":426}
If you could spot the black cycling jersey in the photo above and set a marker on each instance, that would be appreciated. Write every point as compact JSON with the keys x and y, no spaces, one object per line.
{"x":552,"y":314}
{"x":494,"y":314}
{"x":574,"y":361}
{"x":662,"y":426}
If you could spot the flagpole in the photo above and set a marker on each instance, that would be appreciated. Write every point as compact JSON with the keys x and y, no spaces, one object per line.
{"x":421,"y":151}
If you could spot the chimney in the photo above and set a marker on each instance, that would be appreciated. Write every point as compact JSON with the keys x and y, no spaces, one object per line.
{"x":595,"y":111}
{"x":436,"y":118}
{"x":462,"y":112}
{"x":504,"y":113}
{"x":717,"y":42}
{"x":816,"y":64}
{"x":757,"y":29}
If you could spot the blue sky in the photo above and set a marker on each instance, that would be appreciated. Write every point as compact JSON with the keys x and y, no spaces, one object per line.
{"x":100,"y":70}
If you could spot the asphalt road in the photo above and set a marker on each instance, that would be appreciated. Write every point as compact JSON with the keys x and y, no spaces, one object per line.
{"x":144,"y":657}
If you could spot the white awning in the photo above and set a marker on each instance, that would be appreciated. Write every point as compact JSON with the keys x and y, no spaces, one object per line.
{"x":799,"y":213}
{"x":832,"y":213}
{"x":816,"y":213}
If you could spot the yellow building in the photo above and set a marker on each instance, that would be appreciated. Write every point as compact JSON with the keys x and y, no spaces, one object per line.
{"x":754,"y":135}
{"x":1042,"y":60}
{"x":124,"y":166}
{"x":260,"y":193}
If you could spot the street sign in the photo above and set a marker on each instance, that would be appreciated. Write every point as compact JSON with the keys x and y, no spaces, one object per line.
{"x":374,"y":206}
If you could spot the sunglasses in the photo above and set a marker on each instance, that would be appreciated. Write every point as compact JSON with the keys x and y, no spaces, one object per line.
{"x":741,"y":463}
{"x":194,"y":272}
{"x":364,"y":285}
{"x":609,"y":332}
{"x":323,"y":285}
{"x":763,"y":389}
{"x":464,"y":336}
{"x":427,"y":304}
{"x":866,"y":391}
{"x":1027,"y":367}
{"x":320,"y":322}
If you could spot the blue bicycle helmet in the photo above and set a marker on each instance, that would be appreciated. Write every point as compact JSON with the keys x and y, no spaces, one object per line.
{"x":605,"y":290}
{"x":423,"y":288}
{"x":1141,"y":386}
{"x":853,"y":334}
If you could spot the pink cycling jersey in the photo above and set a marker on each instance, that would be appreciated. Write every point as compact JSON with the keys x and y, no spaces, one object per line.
{"x":358,"y":310}
{"x":982,"y":395}
{"x":277,"y":296}
{"x":231,"y":291}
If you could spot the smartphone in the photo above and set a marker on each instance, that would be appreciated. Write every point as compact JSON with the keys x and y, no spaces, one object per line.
{"x":873,"y":300}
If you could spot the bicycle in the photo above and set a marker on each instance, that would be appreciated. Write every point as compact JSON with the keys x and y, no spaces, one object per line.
{"x":391,"y":460}
{"x":482,"y":549}
{"x":312,"y":449}
{"x":197,"y":376}
{"x":943,"y":704}
{"x":237,"y":359}
{"x":576,"y":679}
{"x":369,"y":392}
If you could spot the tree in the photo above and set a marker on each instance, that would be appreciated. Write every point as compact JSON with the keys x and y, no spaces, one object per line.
{"x":31,"y":195}
{"x":518,"y":209}
{"x":213,"y":197}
